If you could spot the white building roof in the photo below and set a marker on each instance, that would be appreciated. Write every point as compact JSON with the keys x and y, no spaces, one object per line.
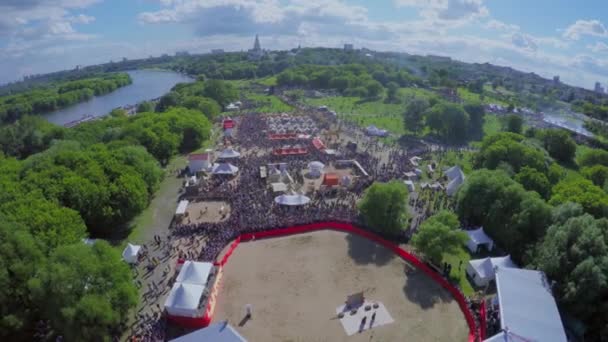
{"x":218,"y":332}
{"x":478,"y":237}
{"x":181,"y":207}
{"x":183,"y":300}
{"x":527,"y":307}
{"x":194,"y":272}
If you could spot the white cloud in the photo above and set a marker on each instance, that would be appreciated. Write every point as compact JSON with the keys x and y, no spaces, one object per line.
{"x":448,"y":10}
{"x":585,"y":27}
{"x":81,"y":19}
{"x":501,"y":26}
{"x":524,"y":41}
{"x":598,"y":47}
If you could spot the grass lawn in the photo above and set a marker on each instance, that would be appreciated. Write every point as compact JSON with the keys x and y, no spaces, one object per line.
{"x":460,"y":276}
{"x":467,"y":95}
{"x":268,"y":103}
{"x":364,"y":113}
{"x":491,"y":124}
{"x":268,"y":81}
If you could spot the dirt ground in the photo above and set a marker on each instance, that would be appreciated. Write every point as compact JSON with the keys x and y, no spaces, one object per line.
{"x":313,"y":184}
{"x":295,"y":284}
{"x":207,"y":211}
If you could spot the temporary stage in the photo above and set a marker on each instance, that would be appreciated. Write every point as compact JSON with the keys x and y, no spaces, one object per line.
{"x":287,"y":151}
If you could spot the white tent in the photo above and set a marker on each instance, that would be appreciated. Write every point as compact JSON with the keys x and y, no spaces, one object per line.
{"x":217,"y":332}
{"x":292,"y":200}
{"x":279,"y":187}
{"x":410,"y":185}
{"x":455,"y":179}
{"x":224,"y":169}
{"x":482,"y":270}
{"x":181,"y":208}
{"x":194,"y":272}
{"x":345,"y":180}
{"x":316,"y":165}
{"x":375,"y":131}
{"x":229,"y":153}
{"x":130,"y":253}
{"x":478,"y":237}
{"x":527,"y":307}
{"x":184,"y":299}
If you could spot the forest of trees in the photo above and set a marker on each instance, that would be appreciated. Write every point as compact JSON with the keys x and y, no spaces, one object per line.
{"x":58,"y":95}
{"x":59,"y":186}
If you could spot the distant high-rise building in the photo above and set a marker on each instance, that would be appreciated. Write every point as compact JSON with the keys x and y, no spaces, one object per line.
{"x":598,"y":88}
{"x":348,"y":47}
{"x":181,"y":53}
{"x":556,"y":79}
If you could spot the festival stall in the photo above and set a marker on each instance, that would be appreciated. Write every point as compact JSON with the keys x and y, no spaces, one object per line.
{"x":184,"y":300}
{"x":330,"y":179}
{"x":229,"y":153}
{"x":478,"y":237}
{"x":193,"y":272}
{"x":224,"y":169}
{"x":482,"y":270}
{"x":131,"y":253}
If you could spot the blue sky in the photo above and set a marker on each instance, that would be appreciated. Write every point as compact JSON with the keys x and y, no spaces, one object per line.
{"x":549,"y":37}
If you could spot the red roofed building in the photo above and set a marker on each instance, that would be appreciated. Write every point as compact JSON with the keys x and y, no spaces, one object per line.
{"x":318,"y":144}
{"x":228,"y":123}
{"x":330,"y":179}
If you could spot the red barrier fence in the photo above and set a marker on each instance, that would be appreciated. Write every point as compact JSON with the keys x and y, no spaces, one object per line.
{"x":346,"y":227}
{"x":482,"y":320}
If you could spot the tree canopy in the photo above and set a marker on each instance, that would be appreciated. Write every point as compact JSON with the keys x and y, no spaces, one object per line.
{"x":384,"y":206}
{"x":439,"y":234}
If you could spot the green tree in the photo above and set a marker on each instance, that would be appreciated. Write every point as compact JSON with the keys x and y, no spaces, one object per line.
{"x":439,"y":234}
{"x":374,"y":88}
{"x":220,"y":91}
{"x":593,"y":157}
{"x":559,"y":144}
{"x":582,"y":191}
{"x":171,"y":99}
{"x":414,"y":114}
{"x":144,"y":107}
{"x":85,"y":291}
{"x":533,"y":180}
{"x":449,"y":121}
{"x":384,"y":206}
{"x":598,"y":174}
{"x":574,"y":253}
{"x":514,"y":123}
{"x":392,"y":90}
{"x":476,"y":113}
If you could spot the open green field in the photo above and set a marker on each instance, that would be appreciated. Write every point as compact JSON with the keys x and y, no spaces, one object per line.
{"x":268,"y":103}
{"x":491,"y":124}
{"x":467,"y":95}
{"x":387,"y":116}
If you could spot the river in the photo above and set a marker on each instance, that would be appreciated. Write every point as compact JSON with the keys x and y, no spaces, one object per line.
{"x":147,"y":85}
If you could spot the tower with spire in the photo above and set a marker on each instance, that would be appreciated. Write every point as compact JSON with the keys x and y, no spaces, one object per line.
{"x":256,"y":53}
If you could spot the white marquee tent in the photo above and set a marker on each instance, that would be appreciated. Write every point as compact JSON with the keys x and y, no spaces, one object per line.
{"x":478,"y":237}
{"x":482,"y":270}
{"x":455,"y":179}
{"x":375,"y":131}
{"x":130,"y":253}
{"x":292,"y":200}
{"x":217,"y":332}
{"x":229,"y":153}
{"x":527,"y":307}
{"x":183,"y":300}
{"x":224,"y":169}
{"x":194,"y":272}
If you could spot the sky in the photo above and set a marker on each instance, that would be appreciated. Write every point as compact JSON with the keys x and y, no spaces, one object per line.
{"x":549,"y":37}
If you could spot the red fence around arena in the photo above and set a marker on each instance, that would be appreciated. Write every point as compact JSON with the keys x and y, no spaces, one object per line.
{"x":349,"y":228}
{"x":482,"y":320}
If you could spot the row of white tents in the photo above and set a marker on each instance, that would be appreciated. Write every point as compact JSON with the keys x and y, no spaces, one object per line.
{"x":189,"y":288}
{"x":527,"y":309}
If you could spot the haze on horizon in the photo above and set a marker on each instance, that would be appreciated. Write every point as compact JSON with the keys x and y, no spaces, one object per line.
{"x":547,"y":37}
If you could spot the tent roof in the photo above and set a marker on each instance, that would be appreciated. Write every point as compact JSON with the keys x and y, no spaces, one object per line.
{"x":184,"y":296}
{"x":181,"y":207}
{"x":316,"y":165}
{"x":292,"y":200}
{"x":229,"y":153}
{"x":199,"y":156}
{"x":218,"y":332}
{"x":279,"y":187}
{"x":130,"y":251}
{"x":454,"y":172}
{"x":527,"y":307}
{"x":479,"y":237}
{"x":194,"y":272}
{"x":485,"y":267}
{"x":224,"y":169}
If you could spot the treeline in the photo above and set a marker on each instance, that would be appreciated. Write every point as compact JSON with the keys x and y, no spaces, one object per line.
{"x":546,"y":216}
{"x":58,"y":95}
{"x":596,"y":109}
{"x":350,"y":79}
{"x":209,"y":97}
{"x":90,"y":182}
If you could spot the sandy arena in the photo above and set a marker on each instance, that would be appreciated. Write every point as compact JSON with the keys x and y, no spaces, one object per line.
{"x":295,"y":284}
